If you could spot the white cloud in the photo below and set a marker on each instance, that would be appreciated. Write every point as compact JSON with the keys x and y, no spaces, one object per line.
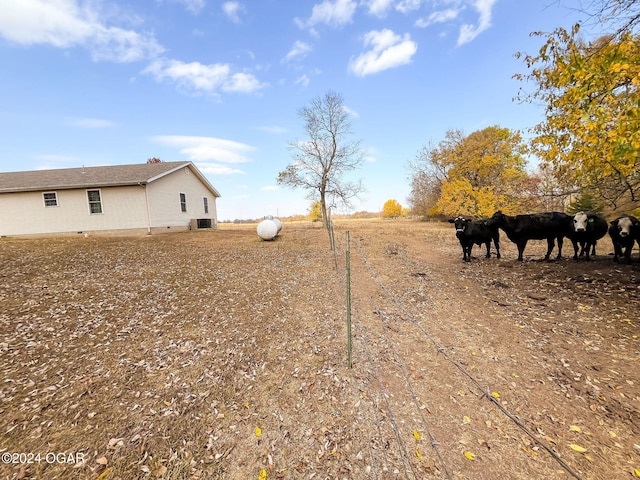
{"x":302,"y":80}
{"x":388,"y":50}
{"x":90,"y":123}
{"x":119,"y":45}
{"x":193,"y":6}
{"x":205,"y":149}
{"x":379,"y":8}
{"x":196,"y":77}
{"x":215,"y":169}
{"x":336,"y":13}
{"x":469,"y":32}
{"x":350,"y":111}
{"x":406,"y":6}
{"x":233,"y":10}
{"x":441,"y":16}
{"x":66,"y":24}
{"x":242,"y":83}
{"x":299,"y":50}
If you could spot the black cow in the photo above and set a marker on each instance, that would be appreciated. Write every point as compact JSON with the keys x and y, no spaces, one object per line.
{"x":470,"y":232}
{"x":624,"y":231}
{"x":537,"y":226}
{"x":586,"y":229}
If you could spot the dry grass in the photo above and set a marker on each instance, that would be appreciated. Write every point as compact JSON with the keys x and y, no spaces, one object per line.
{"x":164,"y":353}
{"x":217,"y":355}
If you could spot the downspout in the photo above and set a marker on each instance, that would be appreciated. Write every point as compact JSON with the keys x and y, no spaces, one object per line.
{"x":146,"y":202}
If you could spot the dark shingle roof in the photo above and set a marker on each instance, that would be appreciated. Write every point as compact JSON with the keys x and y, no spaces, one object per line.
{"x":86,"y":177}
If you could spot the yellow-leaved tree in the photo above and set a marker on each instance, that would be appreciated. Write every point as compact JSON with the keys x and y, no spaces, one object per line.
{"x":472,"y":175}
{"x":315,"y":211}
{"x":391,"y":209}
{"x":591,"y":132}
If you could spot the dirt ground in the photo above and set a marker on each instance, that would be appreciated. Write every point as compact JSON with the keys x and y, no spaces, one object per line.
{"x":215,"y":355}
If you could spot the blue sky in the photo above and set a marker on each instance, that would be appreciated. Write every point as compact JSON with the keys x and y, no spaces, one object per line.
{"x":219,"y":83}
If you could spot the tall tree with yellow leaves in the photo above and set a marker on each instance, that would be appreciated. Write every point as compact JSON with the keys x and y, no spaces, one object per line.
{"x":591,"y":132}
{"x":391,"y":209}
{"x":475,"y":174}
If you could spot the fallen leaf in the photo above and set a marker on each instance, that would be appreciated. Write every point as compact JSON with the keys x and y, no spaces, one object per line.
{"x":104,"y":474}
{"x":575,"y":428}
{"x":418,"y":454}
{"x":637,"y":472}
{"x":466,"y":419}
{"x":263,"y":475}
{"x":258,"y":431}
{"x":613,"y":434}
{"x":416,"y":435}
{"x":495,"y":394}
{"x":470,"y":455}
{"x":577,"y":448}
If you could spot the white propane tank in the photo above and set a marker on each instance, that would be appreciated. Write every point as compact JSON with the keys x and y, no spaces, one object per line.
{"x":267,"y":229}
{"x":278,"y":224}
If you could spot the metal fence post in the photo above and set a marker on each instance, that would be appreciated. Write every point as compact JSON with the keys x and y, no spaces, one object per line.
{"x":348,"y":268}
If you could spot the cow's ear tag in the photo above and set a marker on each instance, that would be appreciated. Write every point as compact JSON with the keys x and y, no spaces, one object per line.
{"x":591,"y":220}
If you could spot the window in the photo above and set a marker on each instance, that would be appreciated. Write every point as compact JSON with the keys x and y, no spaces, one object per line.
{"x":206,"y":204}
{"x":50,"y":199}
{"x":95,"y":203}
{"x":183,"y":202}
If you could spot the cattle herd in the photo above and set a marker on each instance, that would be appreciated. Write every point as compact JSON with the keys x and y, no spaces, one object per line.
{"x":583,"y":229}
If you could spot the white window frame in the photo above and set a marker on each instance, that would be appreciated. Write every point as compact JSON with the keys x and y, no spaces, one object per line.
{"x":205,"y":201}
{"x":89,"y":202}
{"x":183,"y":202}
{"x":55,"y":198}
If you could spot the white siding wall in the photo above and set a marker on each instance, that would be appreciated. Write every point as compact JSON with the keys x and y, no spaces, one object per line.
{"x":122,"y":207}
{"x":164,"y":199}
{"x":25,"y":213}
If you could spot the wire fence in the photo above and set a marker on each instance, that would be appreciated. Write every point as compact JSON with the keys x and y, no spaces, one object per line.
{"x":483,"y":392}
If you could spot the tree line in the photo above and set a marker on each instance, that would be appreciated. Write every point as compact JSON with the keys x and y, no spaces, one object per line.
{"x":584,"y":154}
{"x":587,"y":148}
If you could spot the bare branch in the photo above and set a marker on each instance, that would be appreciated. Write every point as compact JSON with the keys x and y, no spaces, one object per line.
{"x":322,"y":162}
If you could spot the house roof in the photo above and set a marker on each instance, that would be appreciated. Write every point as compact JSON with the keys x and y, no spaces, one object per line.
{"x":91,"y":177}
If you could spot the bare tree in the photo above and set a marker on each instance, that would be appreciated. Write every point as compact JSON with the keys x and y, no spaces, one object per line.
{"x":321,"y":163}
{"x":620,"y":15}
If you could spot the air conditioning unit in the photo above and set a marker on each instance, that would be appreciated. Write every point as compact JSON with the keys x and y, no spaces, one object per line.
{"x":199,"y":223}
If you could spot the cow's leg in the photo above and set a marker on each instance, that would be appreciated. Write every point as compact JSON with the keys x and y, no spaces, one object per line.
{"x":560,"y":242}
{"x":488,"y":244}
{"x":496,"y":242}
{"x":464,"y":250}
{"x":575,"y":249}
{"x":550,"y":244}
{"x":627,"y":252}
{"x":589,"y":247}
{"x":617,"y":251}
{"x":469,"y":248}
{"x":583,"y":247}
{"x":521,"y":245}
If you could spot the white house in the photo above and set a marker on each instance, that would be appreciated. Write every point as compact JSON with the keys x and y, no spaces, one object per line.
{"x":144,"y":198}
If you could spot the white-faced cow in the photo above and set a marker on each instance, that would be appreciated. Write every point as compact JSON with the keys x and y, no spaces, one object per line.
{"x":537,"y":226}
{"x":470,"y":232}
{"x":586,"y":229}
{"x":624,"y":231}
